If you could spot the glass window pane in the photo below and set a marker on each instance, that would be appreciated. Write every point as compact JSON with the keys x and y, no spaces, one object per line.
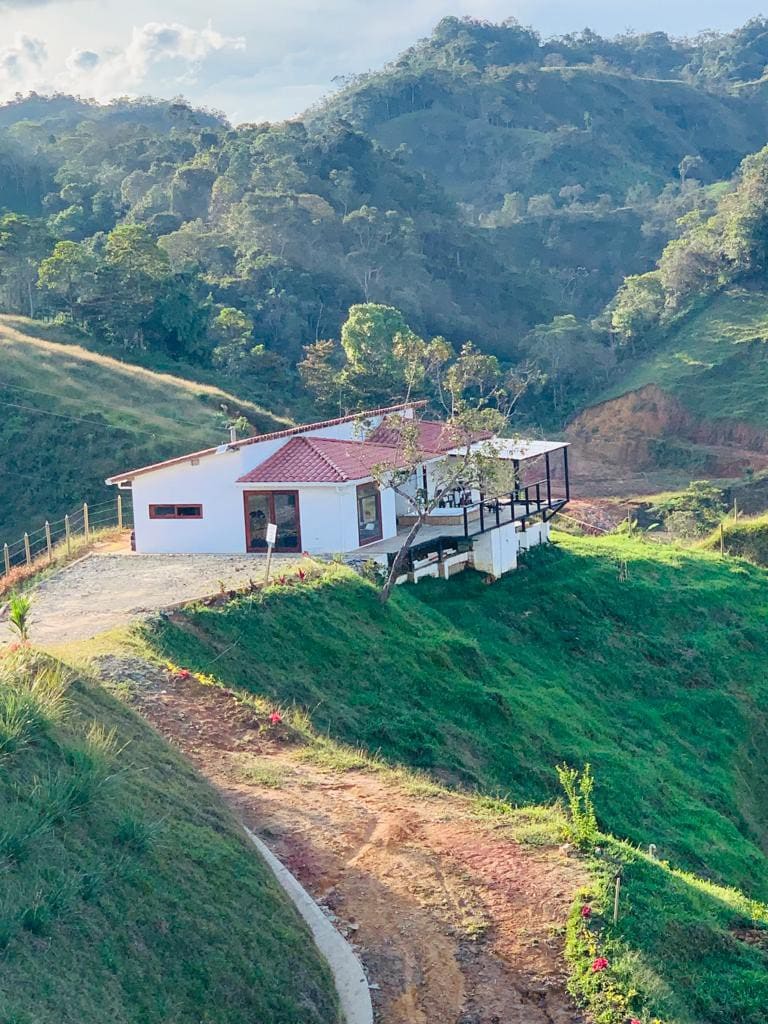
{"x":287,"y":519}
{"x":257,"y":516}
{"x":163,"y":511}
{"x":189,"y":511}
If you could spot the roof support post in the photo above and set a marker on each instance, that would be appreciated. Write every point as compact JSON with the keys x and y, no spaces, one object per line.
{"x":549,"y":479}
{"x":565,"y":470}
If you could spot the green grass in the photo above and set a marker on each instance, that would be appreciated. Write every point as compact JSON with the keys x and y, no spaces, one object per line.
{"x":678,"y":952}
{"x":647,"y":660}
{"x":714,"y":361}
{"x":128,"y":891}
{"x":745,"y":538}
{"x":71,"y":417}
{"x":657,"y":680}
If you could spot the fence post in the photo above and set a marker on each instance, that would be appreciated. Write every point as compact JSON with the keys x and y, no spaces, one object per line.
{"x":722,"y":541}
{"x":119,"y":511}
{"x":68,"y":532}
{"x":27,"y":551}
{"x":85,"y":521}
{"x":48,"y":541}
{"x":6,"y":559}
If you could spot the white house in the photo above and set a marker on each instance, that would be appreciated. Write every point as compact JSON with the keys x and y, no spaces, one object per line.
{"x":315,"y":482}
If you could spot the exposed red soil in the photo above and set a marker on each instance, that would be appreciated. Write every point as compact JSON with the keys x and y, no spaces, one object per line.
{"x":454,"y":921}
{"x":615,"y":443}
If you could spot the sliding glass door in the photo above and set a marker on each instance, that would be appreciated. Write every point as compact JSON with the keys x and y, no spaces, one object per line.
{"x":279,"y":507}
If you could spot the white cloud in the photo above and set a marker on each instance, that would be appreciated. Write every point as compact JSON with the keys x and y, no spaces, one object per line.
{"x":82,"y":60}
{"x":168,"y":54}
{"x":24,"y":57}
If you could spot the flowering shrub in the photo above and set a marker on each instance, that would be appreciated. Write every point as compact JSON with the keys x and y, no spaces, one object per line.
{"x":599,"y":964}
{"x":586,"y":912}
{"x":301,"y":574}
{"x":183,"y":673}
{"x":275,"y":718}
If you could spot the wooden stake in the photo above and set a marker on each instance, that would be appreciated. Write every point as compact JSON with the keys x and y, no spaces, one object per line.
{"x":6,"y":559}
{"x":85,"y":521}
{"x":48,"y":541}
{"x":722,"y":541}
{"x":119,"y":511}
{"x":269,"y":563}
{"x":27,"y":551}
{"x":616,"y":899}
{"x":735,"y":510}
{"x":68,"y":532}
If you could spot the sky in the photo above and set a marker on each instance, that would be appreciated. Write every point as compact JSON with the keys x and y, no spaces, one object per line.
{"x":263,"y":60}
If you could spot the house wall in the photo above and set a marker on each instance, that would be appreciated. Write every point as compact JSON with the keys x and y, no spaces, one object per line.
{"x":328,"y":513}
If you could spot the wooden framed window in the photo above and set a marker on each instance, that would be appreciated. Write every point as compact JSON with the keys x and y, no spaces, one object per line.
{"x":175,"y":511}
{"x":279,"y":507}
{"x":369,"y":524}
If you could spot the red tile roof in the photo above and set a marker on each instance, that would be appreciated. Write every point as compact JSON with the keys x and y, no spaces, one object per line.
{"x":288,"y":432}
{"x":321,"y":460}
{"x":434,"y":436}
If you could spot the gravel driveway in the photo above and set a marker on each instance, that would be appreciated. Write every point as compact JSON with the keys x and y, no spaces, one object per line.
{"x":103,"y":591}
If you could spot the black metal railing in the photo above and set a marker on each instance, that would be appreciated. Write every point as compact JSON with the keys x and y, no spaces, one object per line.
{"x":494,"y":512}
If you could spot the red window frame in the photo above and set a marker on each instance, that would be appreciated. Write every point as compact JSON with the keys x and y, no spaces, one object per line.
{"x":271,"y":496}
{"x":175,"y":506}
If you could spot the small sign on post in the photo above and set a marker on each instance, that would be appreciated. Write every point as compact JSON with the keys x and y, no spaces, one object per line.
{"x":271,"y":538}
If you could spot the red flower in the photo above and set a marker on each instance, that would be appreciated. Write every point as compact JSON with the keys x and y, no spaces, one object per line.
{"x":599,"y":964}
{"x":301,"y":574}
{"x":184,"y":673}
{"x":282,"y":580}
{"x":635,"y":1020}
{"x":275,"y":718}
{"x":586,"y":911}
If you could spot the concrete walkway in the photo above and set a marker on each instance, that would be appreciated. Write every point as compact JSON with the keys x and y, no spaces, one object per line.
{"x":348,"y":974}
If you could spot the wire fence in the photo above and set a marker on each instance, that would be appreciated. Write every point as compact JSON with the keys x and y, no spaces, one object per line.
{"x":62,"y":537}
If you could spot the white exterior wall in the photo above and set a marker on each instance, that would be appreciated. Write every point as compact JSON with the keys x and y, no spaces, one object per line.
{"x":328,"y":512}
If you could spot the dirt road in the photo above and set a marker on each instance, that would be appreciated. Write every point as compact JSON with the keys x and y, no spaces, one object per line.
{"x":454,"y":922}
{"x":105,"y":590}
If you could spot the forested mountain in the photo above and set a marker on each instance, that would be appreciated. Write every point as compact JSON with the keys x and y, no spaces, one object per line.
{"x":488,"y":184}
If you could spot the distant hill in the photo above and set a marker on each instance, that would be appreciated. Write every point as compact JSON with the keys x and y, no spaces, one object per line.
{"x":69,"y":417}
{"x":485,"y":132}
{"x":566,"y":140}
{"x":129,"y":892}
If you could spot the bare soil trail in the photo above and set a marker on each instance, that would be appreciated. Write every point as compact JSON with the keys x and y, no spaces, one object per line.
{"x":454,"y":921}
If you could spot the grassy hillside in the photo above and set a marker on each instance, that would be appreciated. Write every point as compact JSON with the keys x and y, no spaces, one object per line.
{"x":715,"y":361}
{"x":486,"y":131}
{"x":565,"y":660}
{"x":745,"y":538}
{"x":70,"y":417}
{"x":647,"y":661}
{"x":128,"y":892}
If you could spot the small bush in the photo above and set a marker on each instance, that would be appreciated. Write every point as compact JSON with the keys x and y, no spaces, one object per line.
{"x":30,"y":704}
{"x":582,"y":824}
{"x":19,"y":607}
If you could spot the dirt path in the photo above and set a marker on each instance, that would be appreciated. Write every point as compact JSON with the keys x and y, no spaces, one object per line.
{"x":454,"y":922}
{"x":105,"y":590}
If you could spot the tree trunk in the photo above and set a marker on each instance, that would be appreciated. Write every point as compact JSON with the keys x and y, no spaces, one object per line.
{"x":394,"y":572}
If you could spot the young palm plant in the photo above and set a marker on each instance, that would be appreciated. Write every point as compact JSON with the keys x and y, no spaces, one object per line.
{"x":19,"y":607}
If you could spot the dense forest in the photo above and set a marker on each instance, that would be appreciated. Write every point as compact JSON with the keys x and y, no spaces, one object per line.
{"x":491,"y":185}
